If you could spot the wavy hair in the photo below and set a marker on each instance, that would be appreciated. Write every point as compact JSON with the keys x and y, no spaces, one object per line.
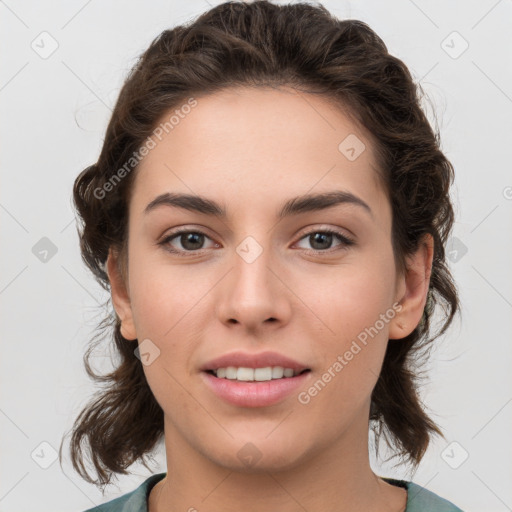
{"x":260,"y":44}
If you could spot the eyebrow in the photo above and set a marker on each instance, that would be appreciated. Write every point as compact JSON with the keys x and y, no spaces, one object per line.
{"x":294,"y":206}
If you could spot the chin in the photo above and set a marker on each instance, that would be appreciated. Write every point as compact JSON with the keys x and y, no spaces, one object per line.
{"x":250,"y":455}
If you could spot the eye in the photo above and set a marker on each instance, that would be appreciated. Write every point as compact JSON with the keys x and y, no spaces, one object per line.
{"x":321,"y":240}
{"x":191,"y":241}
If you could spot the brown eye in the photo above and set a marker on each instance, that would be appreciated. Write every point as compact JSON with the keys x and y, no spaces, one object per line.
{"x":321,"y":240}
{"x":190,"y":241}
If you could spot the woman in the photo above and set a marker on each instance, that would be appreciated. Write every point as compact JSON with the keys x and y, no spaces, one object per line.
{"x":269,"y":212}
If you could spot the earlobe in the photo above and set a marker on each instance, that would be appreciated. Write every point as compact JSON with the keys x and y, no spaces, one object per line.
{"x":120,"y":296}
{"x":416,"y":283}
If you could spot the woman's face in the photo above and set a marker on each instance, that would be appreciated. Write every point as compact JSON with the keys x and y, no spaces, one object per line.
{"x":255,"y":281}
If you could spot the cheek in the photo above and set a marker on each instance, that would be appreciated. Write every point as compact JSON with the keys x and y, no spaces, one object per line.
{"x":167,"y":299}
{"x":352,"y":296}
{"x":355,"y":308}
{"x":167,"y":309}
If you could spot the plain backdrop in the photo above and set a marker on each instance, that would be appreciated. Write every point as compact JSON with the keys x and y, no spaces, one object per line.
{"x":62,"y":67}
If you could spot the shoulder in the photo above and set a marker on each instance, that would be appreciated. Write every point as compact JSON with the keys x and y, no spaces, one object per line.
{"x":134,"y":501}
{"x":420,"y":499}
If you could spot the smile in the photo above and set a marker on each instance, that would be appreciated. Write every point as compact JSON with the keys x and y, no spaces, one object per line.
{"x":251,"y":392}
{"x":256,"y":374}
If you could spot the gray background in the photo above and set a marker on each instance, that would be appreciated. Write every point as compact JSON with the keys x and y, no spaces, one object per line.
{"x":54,"y":111}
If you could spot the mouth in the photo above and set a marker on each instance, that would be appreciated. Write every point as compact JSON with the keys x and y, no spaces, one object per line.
{"x":255,"y":387}
{"x":245,"y":374}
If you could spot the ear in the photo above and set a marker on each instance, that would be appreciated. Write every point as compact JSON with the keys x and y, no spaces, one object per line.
{"x":120,"y":296}
{"x":413,"y":290}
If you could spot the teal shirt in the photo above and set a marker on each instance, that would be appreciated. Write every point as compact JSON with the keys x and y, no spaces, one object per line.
{"x":419,"y":499}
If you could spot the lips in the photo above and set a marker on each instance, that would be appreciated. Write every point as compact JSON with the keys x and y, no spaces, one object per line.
{"x":256,"y":360}
{"x":255,"y":394}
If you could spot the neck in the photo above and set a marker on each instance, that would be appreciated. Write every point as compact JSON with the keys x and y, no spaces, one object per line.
{"x":337,"y":477}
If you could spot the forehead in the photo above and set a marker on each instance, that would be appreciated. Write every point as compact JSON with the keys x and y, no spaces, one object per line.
{"x":249,"y":146}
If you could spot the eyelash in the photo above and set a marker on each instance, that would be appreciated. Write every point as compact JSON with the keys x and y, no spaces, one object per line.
{"x":346,"y":241}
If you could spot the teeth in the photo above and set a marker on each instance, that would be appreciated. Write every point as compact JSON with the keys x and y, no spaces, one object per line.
{"x":254,"y":374}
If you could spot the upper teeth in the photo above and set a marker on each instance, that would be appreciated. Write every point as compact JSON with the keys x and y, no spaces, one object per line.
{"x":258,"y":374}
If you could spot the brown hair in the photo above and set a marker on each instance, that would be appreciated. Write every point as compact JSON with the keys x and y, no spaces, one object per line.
{"x":262,"y":44}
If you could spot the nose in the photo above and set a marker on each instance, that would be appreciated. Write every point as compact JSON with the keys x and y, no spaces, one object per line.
{"x":254,"y":293}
